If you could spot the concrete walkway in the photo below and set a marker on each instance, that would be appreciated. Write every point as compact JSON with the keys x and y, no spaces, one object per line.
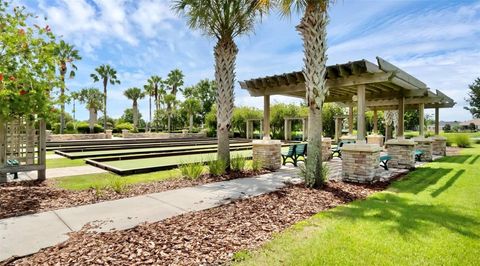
{"x":27,"y":234}
{"x":60,"y":172}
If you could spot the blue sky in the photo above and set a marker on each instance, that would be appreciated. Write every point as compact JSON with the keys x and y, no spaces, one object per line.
{"x":437,"y":41}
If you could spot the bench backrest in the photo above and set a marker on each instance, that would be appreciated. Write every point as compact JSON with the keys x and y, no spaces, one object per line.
{"x":341,"y":143}
{"x":301,"y":149}
{"x":291,"y":150}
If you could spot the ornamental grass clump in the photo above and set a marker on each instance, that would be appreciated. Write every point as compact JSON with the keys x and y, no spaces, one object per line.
{"x":238,"y":163}
{"x":462,"y":141}
{"x":257,"y":165}
{"x":217,"y":167}
{"x":118,"y":184}
{"x":191,"y":171}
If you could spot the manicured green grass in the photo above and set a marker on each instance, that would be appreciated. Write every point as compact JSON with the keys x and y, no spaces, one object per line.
{"x":431,"y":217}
{"x":91,"y":180}
{"x":63,"y":162}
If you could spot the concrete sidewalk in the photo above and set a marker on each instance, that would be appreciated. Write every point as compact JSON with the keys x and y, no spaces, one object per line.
{"x":27,"y":234}
{"x":60,"y":172}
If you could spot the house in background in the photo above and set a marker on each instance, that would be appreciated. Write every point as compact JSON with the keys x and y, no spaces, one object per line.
{"x":467,"y":125}
{"x":431,"y":127}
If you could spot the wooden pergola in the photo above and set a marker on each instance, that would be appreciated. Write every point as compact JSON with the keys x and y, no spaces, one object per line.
{"x":368,"y":86}
{"x":288,"y":127}
{"x":249,"y":129}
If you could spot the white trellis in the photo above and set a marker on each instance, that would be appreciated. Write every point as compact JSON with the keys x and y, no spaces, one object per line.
{"x":22,"y":147}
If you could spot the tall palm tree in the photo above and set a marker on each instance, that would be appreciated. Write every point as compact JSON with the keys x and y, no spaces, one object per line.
{"x":106,"y":74}
{"x":223,"y":20}
{"x":134,"y":94}
{"x":148,"y":90}
{"x":157,"y":84}
{"x":66,"y":54}
{"x":93,"y":99}
{"x":313,"y":29}
{"x":191,"y":106}
{"x":175,"y":80}
{"x":74,"y":96}
{"x":170,"y":101}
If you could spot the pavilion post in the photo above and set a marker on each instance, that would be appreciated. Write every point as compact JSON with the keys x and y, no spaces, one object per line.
{"x":285,"y":129}
{"x":248,"y":130}
{"x":336,"y":130}
{"x":261,"y":128}
{"x":375,"y":122}
{"x":266,"y":117}
{"x":42,"y":150}
{"x":421,"y":120}
{"x":350,"y":120}
{"x":401,"y":114}
{"x":437,"y":121}
{"x":361,"y":114}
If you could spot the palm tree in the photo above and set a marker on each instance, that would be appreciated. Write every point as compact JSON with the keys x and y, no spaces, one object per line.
{"x":224,"y":20}
{"x":175,"y":80}
{"x":170,"y":101}
{"x":108,"y":75}
{"x":313,"y":29}
{"x":73,"y":97}
{"x":134,"y":94}
{"x":66,"y":54}
{"x":192,"y":107}
{"x":92,"y":97}
{"x":148,"y":90}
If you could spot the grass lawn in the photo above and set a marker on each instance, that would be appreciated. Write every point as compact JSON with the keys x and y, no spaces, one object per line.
{"x":88,"y":181}
{"x":63,"y":162}
{"x":431,"y":217}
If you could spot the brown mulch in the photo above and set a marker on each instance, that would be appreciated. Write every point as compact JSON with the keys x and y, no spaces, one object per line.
{"x":208,"y":237}
{"x":27,"y":197}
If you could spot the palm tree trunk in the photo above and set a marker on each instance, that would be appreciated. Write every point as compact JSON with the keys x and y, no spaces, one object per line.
{"x":313,"y":30}
{"x":191,"y":123}
{"x":92,"y":119}
{"x":225,"y":53}
{"x":62,"y":101}
{"x":169,"y":123}
{"x":105,"y":104}
{"x":135,"y":114}
{"x":150,"y":113}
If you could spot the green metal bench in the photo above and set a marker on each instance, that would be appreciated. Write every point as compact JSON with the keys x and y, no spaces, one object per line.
{"x":384,"y":161}
{"x":290,"y":154}
{"x":13,"y":163}
{"x":300,"y":152}
{"x":418,"y":155}
{"x":338,"y":150}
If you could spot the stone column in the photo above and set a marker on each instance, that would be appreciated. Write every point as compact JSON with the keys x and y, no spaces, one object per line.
{"x":424,"y":145}
{"x":266,"y":117}
{"x":402,"y":152}
{"x":439,"y":146}
{"x":108,"y":134}
{"x":401,"y":115}
{"x":125,"y":133}
{"x":326,"y":146}
{"x":361,"y":114}
{"x":360,"y":162}
{"x":421,"y":120}
{"x":268,"y":152}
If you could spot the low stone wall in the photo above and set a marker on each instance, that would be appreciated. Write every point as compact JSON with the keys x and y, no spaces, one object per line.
{"x":153,"y":135}
{"x":65,"y":137}
{"x":360,"y":162}
{"x":375,"y":139}
{"x":402,"y":153}
{"x":439,"y":146}
{"x":326,"y":146}
{"x":269,"y":152}
{"x":424,"y":145}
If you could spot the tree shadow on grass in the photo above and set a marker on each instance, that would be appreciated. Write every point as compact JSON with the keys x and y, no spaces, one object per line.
{"x":474,"y":159}
{"x":421,"y":179}
{"x":448,"y":184}
{"x":454,"y":159}
{"x":406,"y":216}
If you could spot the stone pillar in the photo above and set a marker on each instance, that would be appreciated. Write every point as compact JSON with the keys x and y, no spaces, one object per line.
{"x":360,"y":162}
{"x":326,"y":146}
{"x":125,"y":133}
{"x":401,"y":115}
{"x":108,"y":134}
{"x":48,"y":135}
{"x":266,"y":117}
{"x":421,"y":120}
{"x":402,"y":152}
{"x":439,"y":146}
{"x":375,"y":139}
{"x":268,"y":152}
{"x":424,"y":145}
{"x":437,"y":121}
{"x":350,"y":120}
{"x":361,"y":114}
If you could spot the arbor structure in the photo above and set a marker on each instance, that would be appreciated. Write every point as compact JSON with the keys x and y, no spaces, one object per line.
{"x":66,"y":55}
{"x":474,"y":98}
{"x":93,"y":100}
{"x":106,"y":74}
{"x":134,"y":94}
{"x":224,"y":20}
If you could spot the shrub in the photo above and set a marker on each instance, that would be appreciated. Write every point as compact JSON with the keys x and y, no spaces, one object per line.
{"x":257,"y":165}
{"x":462,"y":140}
{"x":118,"y":184}
{"x":191,"y":171}
{"x":70,"y":126}
{"x":477,"y":140}
{"x":56,"y":128}
{"x":449,"y":141}
{"x":84,"y":128}
{"x":99,"y":188}
{"x":125,"y":125}
{"x":238,"y":163}
{"x":217,"y":167}
{"x":303,"y":173}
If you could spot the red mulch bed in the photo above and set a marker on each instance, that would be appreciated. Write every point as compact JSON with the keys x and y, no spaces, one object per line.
{"x":208,"y":237}
{"x":27,"y":197}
